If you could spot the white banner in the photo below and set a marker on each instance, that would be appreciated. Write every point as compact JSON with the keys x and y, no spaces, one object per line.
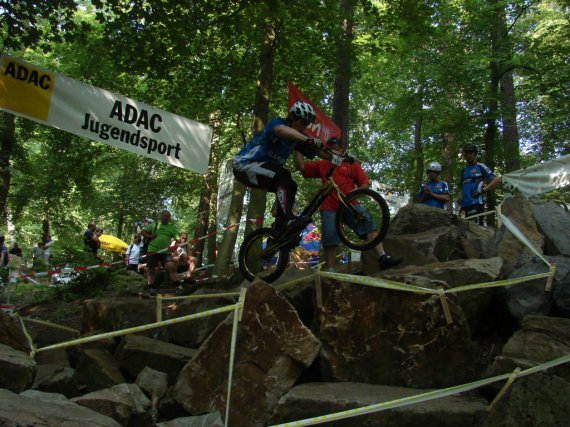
{"x":540,"y":178}
{"x":94,"y":113}
{"x":225,"y":188}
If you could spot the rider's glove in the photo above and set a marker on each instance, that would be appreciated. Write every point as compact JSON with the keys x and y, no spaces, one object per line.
{"x":316,"y":143}
{"x":336,"y":160}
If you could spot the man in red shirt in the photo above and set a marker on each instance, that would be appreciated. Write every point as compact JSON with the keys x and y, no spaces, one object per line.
{"x":348,"y":177}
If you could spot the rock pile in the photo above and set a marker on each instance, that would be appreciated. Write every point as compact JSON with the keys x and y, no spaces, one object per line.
{"x":301,"y":353}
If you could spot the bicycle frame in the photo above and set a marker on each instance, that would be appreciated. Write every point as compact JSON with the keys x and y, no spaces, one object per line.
{"x":321,"y":195}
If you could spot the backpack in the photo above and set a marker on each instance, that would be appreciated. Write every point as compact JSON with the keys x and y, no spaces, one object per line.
{"x":144,"y":247}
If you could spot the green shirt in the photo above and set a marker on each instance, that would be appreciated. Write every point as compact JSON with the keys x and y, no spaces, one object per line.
{"x":164,"y":235}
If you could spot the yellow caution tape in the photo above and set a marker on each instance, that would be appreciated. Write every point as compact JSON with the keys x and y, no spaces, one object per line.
{"x":418,"y":398}
{"x":505,"y":282}
{"x":53,"y":325}
{"x":225,"y":294}
{"x":295,"y":281}
{"x":138,"y":328}
{"x":378,"y":283}
{"x":237,"y":318}
{"x":481,"y":214}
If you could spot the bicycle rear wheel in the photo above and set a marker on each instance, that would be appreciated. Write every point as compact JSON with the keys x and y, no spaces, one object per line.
{"x":364,"y":221}
{"x":253,"y":262}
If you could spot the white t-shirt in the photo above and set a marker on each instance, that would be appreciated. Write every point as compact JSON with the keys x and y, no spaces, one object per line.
{"x":133,"y":254}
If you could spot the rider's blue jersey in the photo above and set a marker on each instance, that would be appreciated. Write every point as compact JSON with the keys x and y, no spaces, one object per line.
{"x":437,"y":187}
{"x":266,"y":146}
{"x":473,"y":179}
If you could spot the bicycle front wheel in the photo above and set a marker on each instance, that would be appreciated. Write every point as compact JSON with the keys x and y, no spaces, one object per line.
{"x":363,"y":222}
{"x":255,"y":261}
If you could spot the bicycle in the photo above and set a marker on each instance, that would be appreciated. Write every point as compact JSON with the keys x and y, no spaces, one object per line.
{"x":264,"y":252}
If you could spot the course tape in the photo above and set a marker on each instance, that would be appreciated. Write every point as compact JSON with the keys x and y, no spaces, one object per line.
{"x":136,"y":329}
{"x":423,"y":397}
{"x":50,"y":324}
{"x":389,"y":284}
{"x":68,"y":270}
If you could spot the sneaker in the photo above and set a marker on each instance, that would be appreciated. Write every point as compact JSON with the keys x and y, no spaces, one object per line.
{"x":387,"y":261}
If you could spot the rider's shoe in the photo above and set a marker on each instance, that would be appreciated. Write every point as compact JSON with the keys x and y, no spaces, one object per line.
{"x":387,"y":261}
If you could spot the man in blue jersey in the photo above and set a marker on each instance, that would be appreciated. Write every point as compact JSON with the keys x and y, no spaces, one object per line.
{"x":434,"y":192}
{"x":473,"y":183}
{"x":260,"y":163}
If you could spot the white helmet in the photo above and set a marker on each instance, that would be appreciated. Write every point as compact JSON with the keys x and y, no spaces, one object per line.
{"x":302,"y":110}
{"x":433,"y":166}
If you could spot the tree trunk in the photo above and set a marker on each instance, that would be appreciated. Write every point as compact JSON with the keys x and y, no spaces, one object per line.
{"x":343,"y":69}
{"x":224,"y":257}
{"x":212,"y":178}
{"x":491,"y":134}
{"x":510,"y":128}
{"x":257,"y":199}
{"x":418,"y":151}
{"x":8,"y":135}
{"x":204,"y":207}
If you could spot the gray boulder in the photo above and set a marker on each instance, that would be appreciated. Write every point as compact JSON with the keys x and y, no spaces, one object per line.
{"x":273,"y":348}
{"x":34,"y":408}
{"x":135,"y":352}
{"x":540,"y":340}
{"x":513,"y":252}
{"x":125,"y":403}
{"x":208,"y":420}
{"x":315,"y":399}
{"x":535,"y":400}
{"x":390,"y":337}
{"x":553,"y":221}
{"x":56,"y":379}
{"x":18,"y":369}
{"x":97,"y":369}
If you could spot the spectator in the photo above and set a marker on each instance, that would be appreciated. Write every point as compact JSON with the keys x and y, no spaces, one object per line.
{"x":91,"y":240}
{"x":182,"y":254}
{"x":260,"y":164}
{"x":38,"y":255}
{"x":473,"y":184}
{"x":16,"y":250}
{"x":3,"y":252}
{"x":160,"y":235}
{"x":348,"y":177}
{"x":434,"y":192}
{"x":144,"y":242}
{"x":47,"y":250}
{"x":132,"y":256}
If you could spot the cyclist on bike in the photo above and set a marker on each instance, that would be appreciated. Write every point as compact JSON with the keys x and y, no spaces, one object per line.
{"x":260,"y":163}
{"x":348,"y":177}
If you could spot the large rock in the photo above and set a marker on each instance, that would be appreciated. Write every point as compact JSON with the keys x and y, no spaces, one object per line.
{"x":113,"y":314}
{"x":97,"y":369}
{"x":540,"y":340}
{"x":47,"y":409}
{"x":513,"y":252}
{"x":18,"y":369}
{"x":474,"y":303}
{"x":423,"y":235}
{"x":315,"y":399}
{"x":272,"y":349}
{"x":523,"y":299}
{"x":536,"y":400}
{"x":561,"y":287}
{"x":208,"y":420}
{"x":56,"y":379}
{"x":11,"y":333}
{"x":553,"y":222}
{"x":125,"y":403}
{"x":194,"y":332}
{"x":389,"y":337}
{"x":135,"y":352}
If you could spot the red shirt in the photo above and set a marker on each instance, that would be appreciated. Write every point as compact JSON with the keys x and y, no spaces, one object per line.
{"x":347,"y":177}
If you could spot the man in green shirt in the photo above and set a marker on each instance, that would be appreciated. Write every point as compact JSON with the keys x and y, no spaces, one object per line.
{"x":160,"y":235}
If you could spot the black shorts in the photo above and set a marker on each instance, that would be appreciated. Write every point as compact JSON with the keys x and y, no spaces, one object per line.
{"x":153,"y":259}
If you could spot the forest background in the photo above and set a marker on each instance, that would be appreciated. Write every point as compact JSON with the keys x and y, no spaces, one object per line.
{"x":408,"y":81}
